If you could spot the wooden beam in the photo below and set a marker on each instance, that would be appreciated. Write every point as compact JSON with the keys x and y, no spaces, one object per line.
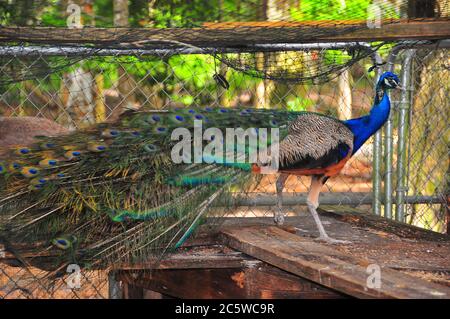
{"x":362,"y":219}
{"x":426,"y":30}
{"x":312,"y":23}
{"x":326,"y":266}
{"x":227,"y":37}
{"x":194,"y":258}
{"x":260,"y":283}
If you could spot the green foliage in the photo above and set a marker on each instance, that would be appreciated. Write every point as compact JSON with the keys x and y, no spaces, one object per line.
{"x":330,"y":10}
{"x":299,"y":104}
{"x":186,"y":78}
{"x":196,"y":70}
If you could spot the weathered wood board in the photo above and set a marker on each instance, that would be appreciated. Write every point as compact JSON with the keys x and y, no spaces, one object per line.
{"x":216,"y":272}
{"x":326,"y":265}
{"x":237,"y":36}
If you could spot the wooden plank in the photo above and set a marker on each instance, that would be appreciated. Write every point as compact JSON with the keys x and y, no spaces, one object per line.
{"x":227,"y":37}
{"x":262,"y":282}
{"x":325,"y":265}
{"x":283,"y":24}
{"x":385,"y":242}
{"x":362,"y":219}
{"x":312,"y":23}
{"x":131,"y":291}
{"x":194,"y":258}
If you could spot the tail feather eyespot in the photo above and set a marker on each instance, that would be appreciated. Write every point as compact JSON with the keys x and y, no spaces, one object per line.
{"x":110,"y":133}
{"x":150,"y":148}
{"x":47,"y":163}
{"x":23,"y":151}
{"x":96,"y":147}
{"x":14,"y":167}
{"x":29,"y":171}
{"x":161,"y":130}
{"x":64,"y":242}
{"x":72,"y":154}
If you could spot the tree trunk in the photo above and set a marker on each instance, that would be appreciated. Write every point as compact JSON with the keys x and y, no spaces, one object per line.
{"x":80,"y":102}
{"x":344,"y":102}
{"x":271,"y":10}
{"x":126,"y":83}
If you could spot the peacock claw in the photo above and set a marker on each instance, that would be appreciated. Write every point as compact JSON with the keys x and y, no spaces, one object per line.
{"x":332,"y":241}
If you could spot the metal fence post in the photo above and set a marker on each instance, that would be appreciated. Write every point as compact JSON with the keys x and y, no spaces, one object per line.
{"x":403,"y":107}
{"x":377,"y":157}
{"x":388,"y":141}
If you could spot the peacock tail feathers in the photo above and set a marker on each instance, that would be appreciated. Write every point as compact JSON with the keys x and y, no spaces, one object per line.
{"x":112,"y":193}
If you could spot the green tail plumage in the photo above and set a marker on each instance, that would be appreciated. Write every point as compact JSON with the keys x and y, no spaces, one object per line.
{"x":112,"y":193}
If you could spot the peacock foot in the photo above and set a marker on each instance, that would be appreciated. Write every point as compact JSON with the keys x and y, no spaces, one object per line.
{"x":332,"y":241}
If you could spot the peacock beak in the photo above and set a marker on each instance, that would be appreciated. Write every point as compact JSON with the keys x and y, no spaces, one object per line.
{"x":399,"y":86}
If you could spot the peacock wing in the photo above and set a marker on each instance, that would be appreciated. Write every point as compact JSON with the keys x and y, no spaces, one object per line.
{"x":315,"y":141}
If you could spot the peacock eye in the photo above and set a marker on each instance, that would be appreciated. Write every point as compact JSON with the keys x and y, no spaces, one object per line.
{"x":161,"y":130}
{"x":150,"y":148}
{"x":156,"y":118}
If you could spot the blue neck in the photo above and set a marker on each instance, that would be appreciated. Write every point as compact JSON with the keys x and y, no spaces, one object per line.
{"x":364,"y":127}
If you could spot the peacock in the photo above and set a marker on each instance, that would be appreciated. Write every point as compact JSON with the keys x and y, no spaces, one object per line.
{"x":119,"y":192}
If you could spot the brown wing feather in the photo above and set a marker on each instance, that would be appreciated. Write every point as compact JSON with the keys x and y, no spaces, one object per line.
{"x":313,"y":137}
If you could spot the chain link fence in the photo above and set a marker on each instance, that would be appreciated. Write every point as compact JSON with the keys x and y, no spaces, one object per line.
{"x":401,"y":173}
{"x":420,"y":129}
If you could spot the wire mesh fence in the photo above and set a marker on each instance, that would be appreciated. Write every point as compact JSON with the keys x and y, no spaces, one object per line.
{"x":78,"y":87}
{"x":420,"y":165}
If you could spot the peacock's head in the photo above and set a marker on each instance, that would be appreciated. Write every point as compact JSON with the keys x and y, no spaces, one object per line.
{"x":389,"y":80}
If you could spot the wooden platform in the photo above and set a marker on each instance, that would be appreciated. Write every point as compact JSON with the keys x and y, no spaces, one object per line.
{"x":251,"y":258}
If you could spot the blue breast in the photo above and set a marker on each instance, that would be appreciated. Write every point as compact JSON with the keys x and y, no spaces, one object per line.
{"x":364,"y":127}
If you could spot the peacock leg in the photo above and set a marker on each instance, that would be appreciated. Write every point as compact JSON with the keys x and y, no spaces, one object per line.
{"x":278,"y":215}
{"x":313,"y":202}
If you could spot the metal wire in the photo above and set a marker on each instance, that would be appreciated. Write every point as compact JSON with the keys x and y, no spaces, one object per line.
{"x":100,"y":84}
